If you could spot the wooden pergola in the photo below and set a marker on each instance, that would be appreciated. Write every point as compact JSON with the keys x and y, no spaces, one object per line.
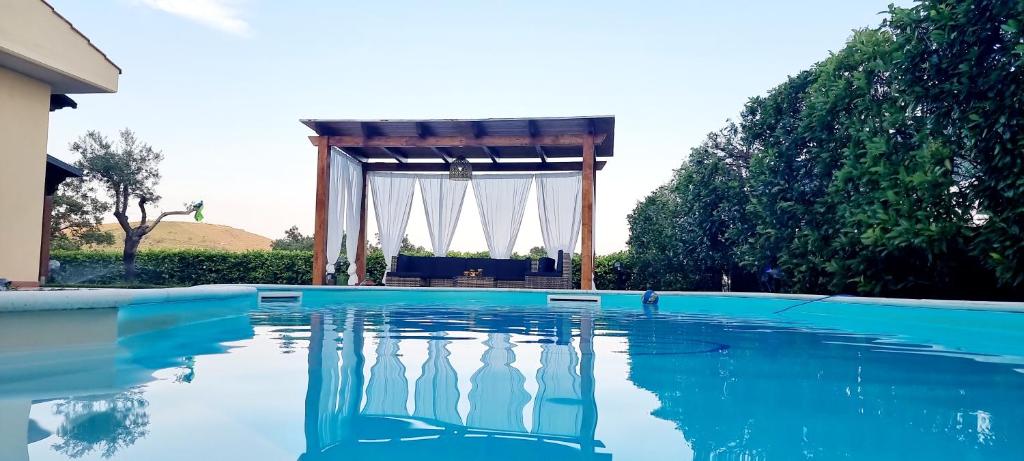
{"x":490,"y":145}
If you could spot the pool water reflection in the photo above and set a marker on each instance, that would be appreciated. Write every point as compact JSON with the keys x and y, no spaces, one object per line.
{"x":533,"y":382}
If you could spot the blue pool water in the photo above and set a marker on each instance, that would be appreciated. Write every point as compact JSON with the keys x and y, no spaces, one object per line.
{"x":419,"y":376}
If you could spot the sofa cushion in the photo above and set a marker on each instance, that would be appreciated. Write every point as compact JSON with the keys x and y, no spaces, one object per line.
{"x":545,"y":264}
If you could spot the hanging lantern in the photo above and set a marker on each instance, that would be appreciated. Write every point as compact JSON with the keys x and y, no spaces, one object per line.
{"x":460,"y":170}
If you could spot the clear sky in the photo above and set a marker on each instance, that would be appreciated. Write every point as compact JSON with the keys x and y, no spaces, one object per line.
{"x":219,"y":85}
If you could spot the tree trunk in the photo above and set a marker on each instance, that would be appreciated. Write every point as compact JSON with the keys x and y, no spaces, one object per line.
{"x":131,"y":250}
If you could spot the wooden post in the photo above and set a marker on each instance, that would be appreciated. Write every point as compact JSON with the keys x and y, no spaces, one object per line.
{"x":323,"y":182}
{"x":587,"y":228}
{"x":361,"y":251}
{"x":44,"y":247}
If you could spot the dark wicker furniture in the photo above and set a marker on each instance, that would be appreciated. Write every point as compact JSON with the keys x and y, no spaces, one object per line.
{"x":547,"y":274}
{"x":428,"y":271}
{"x":479,"y":281}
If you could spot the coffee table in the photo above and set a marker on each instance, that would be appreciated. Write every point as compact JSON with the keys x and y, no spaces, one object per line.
{"x":480,"y":281}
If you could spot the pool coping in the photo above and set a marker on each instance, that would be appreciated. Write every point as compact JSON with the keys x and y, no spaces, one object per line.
{"x":95,"y":298}
{"x":100,"y":298}
{"x":1001,"y":306}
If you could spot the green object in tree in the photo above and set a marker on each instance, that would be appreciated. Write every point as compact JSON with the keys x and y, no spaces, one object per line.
{"x":199,"y":211}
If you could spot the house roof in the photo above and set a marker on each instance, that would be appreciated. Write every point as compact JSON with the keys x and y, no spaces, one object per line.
{"x":57,"y":171}
{"x":72,"y":26}
{"x":36,"y":41}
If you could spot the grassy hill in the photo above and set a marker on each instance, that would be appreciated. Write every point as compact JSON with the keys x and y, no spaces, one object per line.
{"x":176,"y":235}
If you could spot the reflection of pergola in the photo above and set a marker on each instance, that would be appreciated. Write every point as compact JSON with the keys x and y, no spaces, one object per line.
{"x":520,"y":145}
{"x":342,"y":419}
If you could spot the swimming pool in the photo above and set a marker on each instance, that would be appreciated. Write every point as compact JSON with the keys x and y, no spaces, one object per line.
{"x":325,"y":374}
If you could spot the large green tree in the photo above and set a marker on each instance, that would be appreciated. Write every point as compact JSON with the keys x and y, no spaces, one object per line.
{"x":76,"y":217}
{"x":128,"y":170}
{"x":295,"y":241}
{"x":891,"y":168}
{"x":960,"y":67}
{"x":682,"y":236}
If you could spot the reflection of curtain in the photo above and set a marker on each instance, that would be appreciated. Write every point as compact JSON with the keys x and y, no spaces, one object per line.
{"x":330,"y":382}
{"x":392,"y":201}
{"x":351,"y":390}
{"x":388,"y":389}
{"x":501,"y":200}
{"x":442,"y":204}
{"x":560,"y":204}
{"x":437,"y":389}
{"x":557,"y":409}
{"x":498,"y":397}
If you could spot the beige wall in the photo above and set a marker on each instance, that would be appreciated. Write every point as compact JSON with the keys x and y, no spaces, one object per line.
{"x":24,"y":119}
{"x":32,"y":34}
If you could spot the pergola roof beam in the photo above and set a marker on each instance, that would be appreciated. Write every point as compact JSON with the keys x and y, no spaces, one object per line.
{"x":573,"y":140}
{"x":443,"y":153}
{"x":396,"y":153}
{"x":506,"y":167}
{"x":475,"y":129}
{"x":490,"y":153}
{"x":531,"y":127}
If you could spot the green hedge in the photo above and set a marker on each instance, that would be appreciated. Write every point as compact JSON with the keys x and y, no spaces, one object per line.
{"x":198,"y":267}
{"x":185,"y":267}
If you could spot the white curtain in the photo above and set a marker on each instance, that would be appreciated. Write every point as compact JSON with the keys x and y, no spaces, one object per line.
{"x":501,"y":200}
{"x":442,"y":204}
{"x":336,"y":206}
{"x":392,"y":201}
{"x":353,"y":209}
{"x":344,"y":205}
{"x":560,"y":206}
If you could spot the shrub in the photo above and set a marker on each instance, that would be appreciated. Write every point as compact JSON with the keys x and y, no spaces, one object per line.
{"x":185,"y":267}
{"x":198,"y":267}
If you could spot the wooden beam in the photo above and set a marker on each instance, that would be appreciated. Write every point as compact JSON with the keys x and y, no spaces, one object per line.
{"x":445,"y":154}
{"x":587,"y":225}
{"x":481,"y":167}
{"x":531,"y":126}
{"x":476,"y":129}
{"x":323,"y":171}
{"x":397,"y":154}
{"x":543,"y":154}
{"x":490,"y":153}
{"x":461,"y":141}
{"x":422,"y":130}
{"x":361,"y":250}
{"x":44,"y":247}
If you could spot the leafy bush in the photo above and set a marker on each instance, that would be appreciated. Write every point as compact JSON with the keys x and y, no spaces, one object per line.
{"x":198,"y":267}
{"x":186,"y":267}
{"x":890,"y":168}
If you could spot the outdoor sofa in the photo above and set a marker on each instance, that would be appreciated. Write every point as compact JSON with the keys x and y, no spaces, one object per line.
{"x":433,"y":271}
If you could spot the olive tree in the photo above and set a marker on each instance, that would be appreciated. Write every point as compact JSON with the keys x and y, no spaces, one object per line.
{"x":128,"y":170}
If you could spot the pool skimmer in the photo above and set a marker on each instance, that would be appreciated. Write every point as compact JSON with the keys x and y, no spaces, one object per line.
{"x":577,"y":300}
{"x":281,"y":297}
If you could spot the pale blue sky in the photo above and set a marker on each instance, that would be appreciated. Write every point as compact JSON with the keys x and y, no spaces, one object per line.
{"x":219,"y":85}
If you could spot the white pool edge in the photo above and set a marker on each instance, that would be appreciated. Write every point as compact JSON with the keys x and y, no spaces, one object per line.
{"x":1003,"y":306}
{"x":99,"y":298}
{"x":95,"y":298}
